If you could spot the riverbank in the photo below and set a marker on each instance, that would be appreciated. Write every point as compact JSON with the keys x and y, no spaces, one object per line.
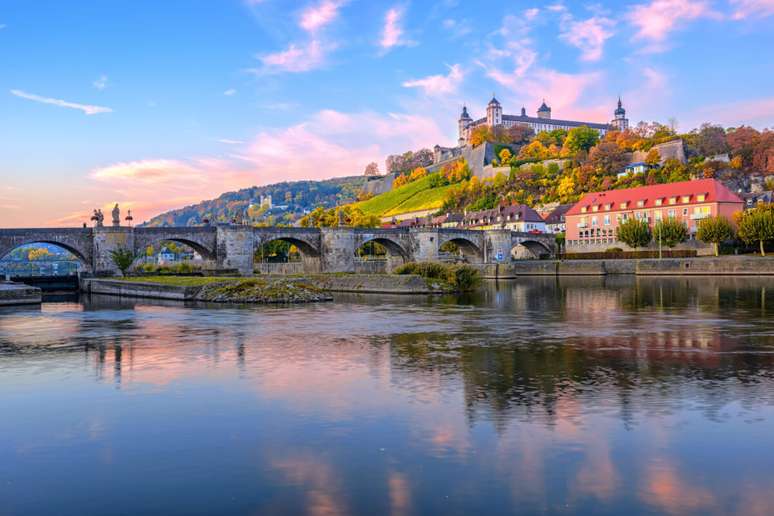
{"x":700,"y":266}
{"x":260,"y":289}
{"x":19,"y":294}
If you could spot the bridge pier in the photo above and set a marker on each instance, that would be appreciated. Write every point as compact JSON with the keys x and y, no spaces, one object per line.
{"x":497,"y":246}
{"x":425,"y":244}
{"x":337,"y":250}
{"x":106,"y":240}
{"x":235,"y":248}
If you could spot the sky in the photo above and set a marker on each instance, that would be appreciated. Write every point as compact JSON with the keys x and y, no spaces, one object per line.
{"x":157,"y":105}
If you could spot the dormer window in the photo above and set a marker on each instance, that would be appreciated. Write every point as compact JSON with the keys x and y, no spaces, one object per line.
{"x":624,"y":205}
{"x":659,"y":201}
{"x":583,"y":209}
{"x":701,"y":197}
{"x":640,"y":203}
{"x":686,"y":198}
{"x":673,"y":200}
{"x":595,"y":208}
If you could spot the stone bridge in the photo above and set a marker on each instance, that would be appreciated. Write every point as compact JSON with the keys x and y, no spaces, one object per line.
{"x":322,"y":250}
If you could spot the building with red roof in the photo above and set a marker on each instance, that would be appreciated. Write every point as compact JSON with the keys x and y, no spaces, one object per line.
{"x":595,"y":218}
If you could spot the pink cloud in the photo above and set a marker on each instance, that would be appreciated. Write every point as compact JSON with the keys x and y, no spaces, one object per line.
{"x":589,"y":36}
{"x":318,"y":16}
{"x":754,"y":112}
{"x":392,"y":33}
{"x":439,"y":84}
{"x":747,"y":8}
{"x":656,"y":20}
{"x":295,"y":58}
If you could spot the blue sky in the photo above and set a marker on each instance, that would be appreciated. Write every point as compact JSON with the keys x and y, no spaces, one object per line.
{"x":161,"y":104}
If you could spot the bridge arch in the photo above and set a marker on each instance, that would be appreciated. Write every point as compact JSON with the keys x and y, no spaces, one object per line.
{"x":530,"y":248}
{"x":308,"y":251}
{"x":396,"y":254}
{"x":83,"y":256}
{"x":469,"y":249}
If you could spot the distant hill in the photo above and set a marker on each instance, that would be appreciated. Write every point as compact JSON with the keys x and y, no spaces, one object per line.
{"x":290,"y":199}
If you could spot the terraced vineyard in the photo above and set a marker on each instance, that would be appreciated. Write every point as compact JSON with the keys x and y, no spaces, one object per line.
{"x":415,"y":196}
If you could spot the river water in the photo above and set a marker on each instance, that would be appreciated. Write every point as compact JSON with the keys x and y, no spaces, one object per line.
{"x":570,"y":396}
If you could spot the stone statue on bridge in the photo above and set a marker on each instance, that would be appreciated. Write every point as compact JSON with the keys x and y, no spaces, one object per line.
{"x":116,"y":216}
{"x":98,"y":218}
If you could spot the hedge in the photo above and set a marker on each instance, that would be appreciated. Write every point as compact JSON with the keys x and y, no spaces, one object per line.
{"x":622,"y":255}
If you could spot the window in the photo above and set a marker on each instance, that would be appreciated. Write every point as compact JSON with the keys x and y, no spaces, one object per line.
{"x":685,"y":212}
{"x":658,"y":202}
{"x":657,"y":215}
{"x":640,"y":203}
{"x":583,"y":209}
{"x":593,"y":221}
{"x":608,"y":207}
{"x":607,"y":220}
{"x":624,"y":205}
{"x":701,"y":197}
{"x":686,"y":198}
{"x":671,"y":214}
{"x":595,"y":208}
{"x":673,"y":200}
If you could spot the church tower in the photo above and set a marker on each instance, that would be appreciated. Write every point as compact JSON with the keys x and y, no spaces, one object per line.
{"x":544,"y":111}
{"x":494,"y":113}
{"x":620,"y":122}
{"x":463,"y":126}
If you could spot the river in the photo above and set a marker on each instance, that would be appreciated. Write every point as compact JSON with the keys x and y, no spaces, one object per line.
{"x":553,"y":396}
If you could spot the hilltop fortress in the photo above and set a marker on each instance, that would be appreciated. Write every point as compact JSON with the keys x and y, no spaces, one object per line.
{"x":541,"y":122}
{"x":481,"y":158}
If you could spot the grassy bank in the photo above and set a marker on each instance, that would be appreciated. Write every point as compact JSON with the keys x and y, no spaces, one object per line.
{"x":458,"y":278}
{"x":180,"y":281}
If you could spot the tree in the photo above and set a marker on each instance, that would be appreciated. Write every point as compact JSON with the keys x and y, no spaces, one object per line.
{"x":742,"y":142}
{"x":38,"y":253}
{"x":711,"y":140}
{"x":505,"y":155}
{"x":715,"y":230}
{"x":763,"y":156}
{"x":519,"y":134}
{"x":757,"y":225}
{"x":634,"y":233}
{"x":122,"y":258}
{"x":653,"y":158}
{"x":670,"y":232}
{"x":581,"y":138}
{"x":607,"y":158}
{"x":417,"y":173}
{"x":372,"y":169}
{"x":534,"y":150}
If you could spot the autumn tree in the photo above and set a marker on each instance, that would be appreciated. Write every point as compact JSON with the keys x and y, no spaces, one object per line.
{"x":372,"y":169}
{"x":634,"y":233}
{"x":715,"y":230}
{"x":607,"y":158}
{"x":481,"y":134}
{"x":757,"y":225}
{"x":534,"y":150}
{"x":580,"y":138}
{"x":520,"y":134}
{"x":711,"y":140}
{"x":670,"y":232}
{"x":742,"y":142}
{"x":653,"y":158}
{"x":763,"y":155}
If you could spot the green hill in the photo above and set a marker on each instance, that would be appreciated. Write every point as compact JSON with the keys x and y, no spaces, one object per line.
{"x":415,"y":196}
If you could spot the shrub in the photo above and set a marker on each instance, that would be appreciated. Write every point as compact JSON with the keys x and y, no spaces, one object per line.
{"x":614,"y":250}
{"x":459,"y":277}
{"x":122,"y":258}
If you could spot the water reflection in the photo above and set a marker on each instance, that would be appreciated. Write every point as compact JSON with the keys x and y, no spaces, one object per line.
{"x":576,"y":395}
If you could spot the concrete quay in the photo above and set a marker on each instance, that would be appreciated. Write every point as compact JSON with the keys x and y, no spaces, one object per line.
{"x":19,"y":294}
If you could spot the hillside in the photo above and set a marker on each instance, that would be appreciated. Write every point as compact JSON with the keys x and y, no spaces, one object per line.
{"x":291,"y":201}
{"x":418,"y":195}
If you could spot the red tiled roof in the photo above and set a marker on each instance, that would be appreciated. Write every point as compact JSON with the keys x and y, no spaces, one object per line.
{"x":714,"y":191}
